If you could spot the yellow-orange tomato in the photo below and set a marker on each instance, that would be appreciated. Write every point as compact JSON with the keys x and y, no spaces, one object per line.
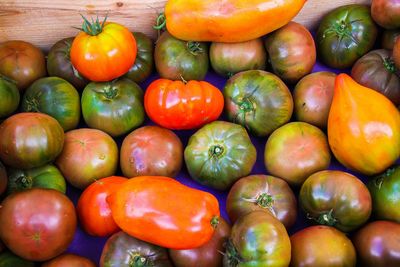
{"x":103,"y":51}
{"x":228,"y":21}
{"x":363,"y":127}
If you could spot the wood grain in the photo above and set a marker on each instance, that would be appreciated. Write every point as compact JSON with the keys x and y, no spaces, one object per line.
{"x":43,"y":22}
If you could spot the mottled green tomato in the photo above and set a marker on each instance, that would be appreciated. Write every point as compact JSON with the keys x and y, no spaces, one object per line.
{"x":144,"y":62}
{"x":55,"y":97}
{"x":220,"y":153}
{"x":345,"y":34}
{"x":258,"y":100}
{"x":9,"y":97}
{"x":295,"y":151}
{"x":228,"y":59}
{"x":8,"y":259}
{"x":389,"y":38}
{"x":262,"y":193}
{"x":176,"y":59}
{"x":114,"y":107}
{"x":3,"y":180}
{"x":47,"y":176}
{"x":322,"y":246}
{"x":385,"y":193}
{"x":337,"y":199}
{"x":258,"y":239}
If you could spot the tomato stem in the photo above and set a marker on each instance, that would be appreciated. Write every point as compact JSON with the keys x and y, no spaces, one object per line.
{"x":389,"y":65}
{"x":92,"y":28}
{"x":327,"y":218}
{"x":194,"y":48}
{"x":23,"y":182}
{"x":215,"y":221}
{"x":216,"y":151}
{"x":110,"y":92}
{"x":137,"y":260}
{"x":161,"y":22}
{"x":232,"y":254}
{"x":264,"y":200}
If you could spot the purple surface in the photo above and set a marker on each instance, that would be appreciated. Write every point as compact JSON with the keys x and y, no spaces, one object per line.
{"x":91,"y":247}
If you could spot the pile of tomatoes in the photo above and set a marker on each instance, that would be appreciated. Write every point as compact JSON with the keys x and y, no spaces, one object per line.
{"x":278,"y":166}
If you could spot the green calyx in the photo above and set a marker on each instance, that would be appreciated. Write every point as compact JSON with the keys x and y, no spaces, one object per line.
{"x":341,"y":29}
{"x":232,"y":254}
{"x":246,"y":105}
{"x":32,"y":105}
{"x":389,"y":65}
{"x":214,"y":221}
{"x":194,"y":48}
{"x":110,"y":92}
{"x":216,"y":151}
{"x":92,"y":28}
{"x":327,"y":218}
{"x":137,"y":260}
{"x":264,"y":200}
{"x":23,"y":182}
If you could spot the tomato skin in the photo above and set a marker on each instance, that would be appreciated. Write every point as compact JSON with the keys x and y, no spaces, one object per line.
{"x":179,"y":106}
{"x":8,"y":259}
{"x":105,"y":56}
{"x":93,"y":210}
{"x":389,"y":38}
{"x":386,"y":13}
{"x":155,"y":200}
{"x":40,"y":140}
{"x":69,"y":260}
{"x":9,"y":97}
{"x":37,"y":224}
{"x":3,"y":180}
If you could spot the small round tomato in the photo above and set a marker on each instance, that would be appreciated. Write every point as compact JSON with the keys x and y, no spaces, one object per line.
{"x":93,"y":210}
{"x":69,"y":260}
{"x":389,"y":38}
{"x":9,"y":97}
{"x":103,"y":51}
{"x":386,"y":13}
{"x":8,"y":259}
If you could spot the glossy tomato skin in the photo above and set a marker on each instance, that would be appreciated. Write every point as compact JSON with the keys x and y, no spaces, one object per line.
{"x":22,"y":62}
{"x":40,"y":140}
{"x":125,"y":251}
{"x":59,"y":64}
{"x":182,"y":106}
{"x":345,"y":34}
{"x":262,"y":193}
{"x":258,"y":100}
{"x":313,"y":96}
{"x":322,"y":246}
{"x":93,"y":210}
{"x":156,"y":200}
{"x":3,"y":180}
{"x":389,"y":38}
{"x":258,"y":239}
{"x":47,"y":176}
{"x":228,"y":59}
{"x":219,"y":154}
{"x":88,"y":155}
{"x":291,"y":51}
{"x":151,"y":150}
{"x":37,"y":224}
{"x":69,"y":260}
{"x":336,"y":198}
{"x":9,"y":97}
{"x":386,"y":13}
{"x":105,"y":56}
{"x":114,"y":107}
{"x":8,"y":259}
{"x":144,"y":62}
{"x":295,"y":151}
{"x":207,"y":255}
{"x":55,"y":97}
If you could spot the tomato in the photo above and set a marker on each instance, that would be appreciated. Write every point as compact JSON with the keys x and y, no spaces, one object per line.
{"x":258,"y":239}
{"x":313,"y":96}
{"x":123,"y":250}
{"x":22,"y":62}
{"x":375,"y":67}
{"x":69,"y":260}
{"x":396,"y":53}
{"x":321,"y":246}
{"x":144,"y":62}
{"x":295,"y":151}
{"x":219,"y":154}
{"x":88,"y":155}
{"x":181,"y":106}
{"x":291,"y":50}
{"x":146,"y":207}
{"x":40,"y":140}
{"x":3,"y":180}
{"x":55,"y":97}
{"x":103,"y":51}
{"x":363,"y":127}
{"x":93,"y":211}
{"x":114,"y":107}
{"x":336,"y":198}
{"x":228,"y":59}
{"x":232,"y":21}
{"x":37,"y":224}
{"x":258,"y":100}
{"x":386,"y":13}
{"x":262,"y":193}
{"x":9,"y":97}
{"x":59,"y":63}
{"x":8,"y":259}
{"x":47,"y":176}
{"x":385,"y":193}
{"x":176,"y":59}
{"x":344,"y":35}
{"x":389,"y":38}
{"x":151,"y":150}
{"x":209,"y":255}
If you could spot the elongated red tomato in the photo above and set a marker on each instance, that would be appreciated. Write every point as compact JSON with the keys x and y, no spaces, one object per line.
{"x":164,"y":212}
{"x":181,"y":106}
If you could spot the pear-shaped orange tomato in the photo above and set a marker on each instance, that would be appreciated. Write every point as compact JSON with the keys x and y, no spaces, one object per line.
{"x":363,"y":127}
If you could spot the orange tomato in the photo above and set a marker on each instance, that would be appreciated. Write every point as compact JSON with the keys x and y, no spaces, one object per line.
{"x":228,"y":21}
{"x":164,"y":212}
{"x":363,"y":127}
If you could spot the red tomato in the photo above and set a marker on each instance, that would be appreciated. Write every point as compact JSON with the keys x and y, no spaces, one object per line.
{"x":93,"y":210}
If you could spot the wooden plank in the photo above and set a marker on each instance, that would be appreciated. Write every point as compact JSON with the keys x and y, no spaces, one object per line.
{"x":43,"y":22}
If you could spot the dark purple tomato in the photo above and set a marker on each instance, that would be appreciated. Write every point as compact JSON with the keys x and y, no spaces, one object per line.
{"x":69,"y":260}
{"x":389,"y":38}
{"x":386,"y":13}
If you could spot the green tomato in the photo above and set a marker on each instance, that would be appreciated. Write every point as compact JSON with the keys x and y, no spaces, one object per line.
{"x":9,"y":97}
